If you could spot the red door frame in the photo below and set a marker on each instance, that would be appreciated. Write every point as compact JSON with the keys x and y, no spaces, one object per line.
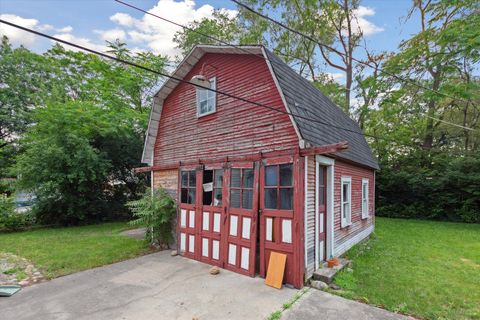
{"x":322,"y":236}
{"x":187,"y":228}
{"x":210,"y":234}
{"x":238,"y":241}
{"x":295,"y":248}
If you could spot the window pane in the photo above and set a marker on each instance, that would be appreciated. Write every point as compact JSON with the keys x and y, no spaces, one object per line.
{"x":235,"y":198}
{"x":247,"y":199}
{"x":271,"y":198}
{"x":271,"y":175}
{"x":218,"y":177}
{"x":286,"y":198}
{"x":286,"y":174}
{"x":184,"y":178}
{"x":217,"y":200}
{"x":203,"y":107}
{"x":321,"y":195}
{"x":191,"y":196}
{"x":247,"y":178}
{"x":235,"y":178}
{"x":345,"y":192}
{"x":184,"y":196}
{"x":321,"y":176}
{"x":191,"y":179}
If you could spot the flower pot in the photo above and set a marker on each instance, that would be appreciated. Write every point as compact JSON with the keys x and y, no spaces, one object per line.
{"x":333,"y":262}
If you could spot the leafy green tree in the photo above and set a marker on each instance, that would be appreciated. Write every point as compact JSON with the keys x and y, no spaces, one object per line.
{"x":220,"y":26}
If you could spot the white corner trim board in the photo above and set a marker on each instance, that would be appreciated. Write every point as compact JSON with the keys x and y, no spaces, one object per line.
{"x":344,"y":247}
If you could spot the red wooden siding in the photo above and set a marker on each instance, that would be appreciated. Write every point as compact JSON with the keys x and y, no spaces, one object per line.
{"x":358,"y":224}
{"x":237,"y":128}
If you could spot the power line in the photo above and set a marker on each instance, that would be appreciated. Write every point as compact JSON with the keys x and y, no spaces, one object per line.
{"x":272,"y":61}
{"x":306,"y":36}
{"x":178,"y":79}
{"x":184,"y":81}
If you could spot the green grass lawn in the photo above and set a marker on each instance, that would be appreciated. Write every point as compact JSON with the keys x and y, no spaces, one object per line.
{"x":427,"y":269}
{"x":61,"y":251}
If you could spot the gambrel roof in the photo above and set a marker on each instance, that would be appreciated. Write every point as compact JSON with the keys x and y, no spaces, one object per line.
{"x":329,"y":123}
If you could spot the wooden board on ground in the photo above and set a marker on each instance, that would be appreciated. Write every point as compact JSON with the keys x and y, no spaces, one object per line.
{"x":276,"y":269}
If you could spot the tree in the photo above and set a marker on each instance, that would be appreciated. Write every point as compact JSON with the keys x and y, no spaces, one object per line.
{"x":83,"y":140}
{"x":220,"y":26}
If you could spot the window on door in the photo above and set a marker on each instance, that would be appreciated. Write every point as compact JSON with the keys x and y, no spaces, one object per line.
{"x":364,"y":198}
{"x":188,"y":191}
{"x":279,"y":187}
{"x":212,"y":187}
{"x":321,"y":186}
{"x":346,"y":207}
{"x":241,"y":188}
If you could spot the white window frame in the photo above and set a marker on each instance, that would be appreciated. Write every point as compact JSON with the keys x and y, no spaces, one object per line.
{"x":365,"y":198}
{"x":346,"y":217}
{"x":213,"y":85}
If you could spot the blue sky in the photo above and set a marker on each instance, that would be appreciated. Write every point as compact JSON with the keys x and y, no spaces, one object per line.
{"x":90,"y":22}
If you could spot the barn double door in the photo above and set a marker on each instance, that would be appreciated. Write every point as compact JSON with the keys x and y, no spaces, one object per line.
{"x":223,"y":207}
{"x":218,"y":215}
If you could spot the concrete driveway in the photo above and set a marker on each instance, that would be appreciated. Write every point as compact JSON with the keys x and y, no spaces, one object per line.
{"x":156,"y":286}
{"x":317,"y":304}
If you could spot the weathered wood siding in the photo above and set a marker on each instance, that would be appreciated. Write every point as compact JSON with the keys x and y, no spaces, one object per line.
{"x":345,"y":238}
{"x":168,"y":180}
{"x":310,"y":216}
{"x":237,"y":128}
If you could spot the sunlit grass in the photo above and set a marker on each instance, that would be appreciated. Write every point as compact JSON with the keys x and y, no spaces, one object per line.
{"x":61,"y":251}
{"x":428,"y":269}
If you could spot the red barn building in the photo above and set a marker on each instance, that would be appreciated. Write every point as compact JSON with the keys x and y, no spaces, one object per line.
{"x":272,"y":165}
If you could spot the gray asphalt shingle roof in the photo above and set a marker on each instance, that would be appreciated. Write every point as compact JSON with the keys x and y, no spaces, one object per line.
{"x":305,"y":100}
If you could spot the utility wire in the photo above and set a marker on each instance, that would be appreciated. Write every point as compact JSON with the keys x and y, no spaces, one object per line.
{"x":310,"y":38}
{"x":182,"y":80}
{"x":179,"y":79}
{"x":295,"y":31}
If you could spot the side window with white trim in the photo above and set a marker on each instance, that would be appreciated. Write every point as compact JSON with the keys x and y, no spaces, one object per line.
{"x":346,"y":201}
{"x":207,"y":99}
{"x":365,"y":213}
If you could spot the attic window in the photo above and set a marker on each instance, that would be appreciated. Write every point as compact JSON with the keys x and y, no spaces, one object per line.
{"x":206,"y":99}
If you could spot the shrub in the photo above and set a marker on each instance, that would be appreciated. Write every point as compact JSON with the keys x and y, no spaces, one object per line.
{"x":438,"y":187}
{"x":155,"y":212}
{"x":9,"y":219}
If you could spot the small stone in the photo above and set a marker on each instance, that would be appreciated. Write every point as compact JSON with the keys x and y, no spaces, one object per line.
{"x":24,"y":283}
{"x":174,"y":253}
{"x":37,"y":274}
{"x":349,"y":270}
{"x":334,"y":286}
{"x":320,"y":285}
{"x":215,"y":270}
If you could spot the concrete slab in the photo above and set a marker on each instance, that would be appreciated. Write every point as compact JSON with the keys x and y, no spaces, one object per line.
{"x":155,"y":286}
{"x":317,"y":304}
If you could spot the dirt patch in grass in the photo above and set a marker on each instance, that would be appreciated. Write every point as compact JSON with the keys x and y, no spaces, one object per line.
{"x":15,"y":270}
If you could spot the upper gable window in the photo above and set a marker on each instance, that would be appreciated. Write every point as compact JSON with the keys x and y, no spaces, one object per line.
{"x":206,"y":99}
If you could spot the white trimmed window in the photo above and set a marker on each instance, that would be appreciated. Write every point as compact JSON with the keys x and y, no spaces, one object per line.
{"x":346,"y":201}
{"x":365,"y":198}
{"x":206,"y":99}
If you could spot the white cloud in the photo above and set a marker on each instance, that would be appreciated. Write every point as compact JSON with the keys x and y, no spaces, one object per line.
{"x":85,"y":42}
{"x":362,"y":24}
{"x":111,"y":34}
{"x":156,"y":34}
{"x":19,"y":37}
